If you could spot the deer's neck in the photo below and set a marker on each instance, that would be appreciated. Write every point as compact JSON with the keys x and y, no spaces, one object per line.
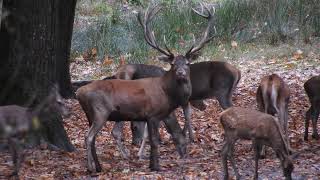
{"x":35,"y":111}
{"x":178,"y":91}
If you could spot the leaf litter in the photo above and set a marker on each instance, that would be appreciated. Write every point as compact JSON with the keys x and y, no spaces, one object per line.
{"x":203,"y":161}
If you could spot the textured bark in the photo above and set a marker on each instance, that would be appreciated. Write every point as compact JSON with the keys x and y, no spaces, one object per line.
{"x":35,"y":41}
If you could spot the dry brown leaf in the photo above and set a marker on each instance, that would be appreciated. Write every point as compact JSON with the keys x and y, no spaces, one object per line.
{"x":107,"y":61}
{"x":234,"y":44}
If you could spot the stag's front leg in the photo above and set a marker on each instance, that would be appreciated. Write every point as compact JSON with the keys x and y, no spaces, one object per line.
{"x":178,"y":137}
{"x":314,"y":118}
{"x":306,"y":126}
{"x":97,"y":124}
{"x":187,"y":111}
{"x":153,"y":132}
{"x":117,"y":135}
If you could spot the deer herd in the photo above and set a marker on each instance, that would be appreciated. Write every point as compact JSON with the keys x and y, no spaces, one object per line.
{"x":147,"y":94}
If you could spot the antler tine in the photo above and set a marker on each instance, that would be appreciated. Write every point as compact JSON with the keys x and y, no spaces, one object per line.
{"x":205,"y":38}
{"x":148,"y":34}
{"x":201,"y":14}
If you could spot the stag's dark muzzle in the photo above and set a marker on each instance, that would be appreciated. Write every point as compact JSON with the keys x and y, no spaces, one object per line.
{"x":181,"y":73}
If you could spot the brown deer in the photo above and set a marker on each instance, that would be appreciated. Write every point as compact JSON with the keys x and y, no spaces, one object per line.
{"x":208,"y":79}
{"x":312,"y":88}
{"x":273,"y":98}
{"x":149,"y":99}
{"x":16,"y":122}
{"x":262,"y":129}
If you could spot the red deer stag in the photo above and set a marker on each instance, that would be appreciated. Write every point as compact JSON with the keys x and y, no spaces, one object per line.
{"x":312,"y":88}
{"x":273,"y":98}
{"x":262,"y":129}
{"x":149,"y":99}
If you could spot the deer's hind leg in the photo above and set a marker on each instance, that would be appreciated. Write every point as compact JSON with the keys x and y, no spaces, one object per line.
{"x":315,"y":108}
{"x":153,"y":131}
{"x":257,"y":149}
{"x":228,"y":151}
{"x":99,"y":118}
{"x":14,"y":146}
{"x":117,"y":135}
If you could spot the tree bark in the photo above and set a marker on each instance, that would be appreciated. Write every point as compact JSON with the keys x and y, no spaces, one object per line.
{"x":36,"y":40}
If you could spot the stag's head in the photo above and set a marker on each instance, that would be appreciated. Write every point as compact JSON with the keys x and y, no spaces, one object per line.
{"x":179,"y":63}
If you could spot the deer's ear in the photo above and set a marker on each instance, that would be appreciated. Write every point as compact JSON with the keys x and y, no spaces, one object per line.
{"x":193,"y":56}
{"x":54,"y":89}
{"x":165,"y":58}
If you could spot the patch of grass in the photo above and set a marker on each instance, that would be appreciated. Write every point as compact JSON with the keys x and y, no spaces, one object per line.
{"x":115,"y":30}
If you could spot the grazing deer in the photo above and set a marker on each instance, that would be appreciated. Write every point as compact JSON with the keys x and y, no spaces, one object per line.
{"x":312,"y":88}
{"x":273,"y":98}
{"x":262,"y":129}
{"x":149,"y":99}
{"x":16,"y":122}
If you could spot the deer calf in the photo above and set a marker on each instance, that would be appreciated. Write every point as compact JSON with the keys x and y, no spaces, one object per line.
{"x":273,"y":98}
{"x":16,"y":122}
{"x":312,"y":88}
{"x":262,"y":129}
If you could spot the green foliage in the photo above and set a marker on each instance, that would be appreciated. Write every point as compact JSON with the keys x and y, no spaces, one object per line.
{"x":115,"y":30}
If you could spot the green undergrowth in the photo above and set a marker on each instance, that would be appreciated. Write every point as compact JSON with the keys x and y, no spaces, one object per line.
{"x":112,"y":28}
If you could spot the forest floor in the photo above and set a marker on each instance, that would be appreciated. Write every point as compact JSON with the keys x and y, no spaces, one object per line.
{"x":295,"y":65}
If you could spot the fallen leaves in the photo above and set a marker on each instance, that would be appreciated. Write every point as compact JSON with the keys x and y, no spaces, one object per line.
{"x":297,"y":55}
{"x":203,"y":161}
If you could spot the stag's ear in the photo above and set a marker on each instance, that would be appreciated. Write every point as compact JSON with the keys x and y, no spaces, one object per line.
{"x":164,"y":58}
{"x":193,"y":56}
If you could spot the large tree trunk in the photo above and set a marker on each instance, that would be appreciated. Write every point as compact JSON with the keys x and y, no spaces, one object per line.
{"x":35,"y":44}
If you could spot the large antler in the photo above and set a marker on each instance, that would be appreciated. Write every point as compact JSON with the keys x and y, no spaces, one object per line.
{"x":148,"y":34}
{"x":205,"y":39}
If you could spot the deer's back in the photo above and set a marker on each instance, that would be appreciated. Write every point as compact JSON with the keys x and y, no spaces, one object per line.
{"x":13,"y":119}
{"x":312,"y":87}
{"x":247,"y":123}
{"x":211,"y":77}
{"x":127,"y":98}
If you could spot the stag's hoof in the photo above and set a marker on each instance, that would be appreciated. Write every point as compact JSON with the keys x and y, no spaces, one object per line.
{"x":262,"y":155}
{"x":94,"y":168}
{"x":98,"y":168}
{"x":315,"y":136}
{"x":155,"y":168}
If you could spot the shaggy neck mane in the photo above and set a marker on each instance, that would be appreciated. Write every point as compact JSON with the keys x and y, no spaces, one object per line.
{"x":179,"y":91}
